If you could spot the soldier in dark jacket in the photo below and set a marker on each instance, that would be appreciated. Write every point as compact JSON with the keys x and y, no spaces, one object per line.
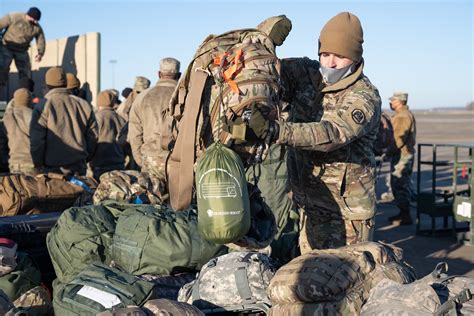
{"x":109,"y":153}
{"x":63,"y":129}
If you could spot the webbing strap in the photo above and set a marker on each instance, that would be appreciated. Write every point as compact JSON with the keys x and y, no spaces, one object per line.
{"x":242,"y":283}
{"x":181,"y":162}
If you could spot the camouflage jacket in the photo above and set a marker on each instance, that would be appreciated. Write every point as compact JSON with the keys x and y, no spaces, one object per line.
{"x":108,"y":152}
{"x":19,"y":33}
{"x":404,"y":131}
{"x":146,"y":118}
{"x":63,"y":130}
{"x":17,"y":127}
{"x":333,"y":150}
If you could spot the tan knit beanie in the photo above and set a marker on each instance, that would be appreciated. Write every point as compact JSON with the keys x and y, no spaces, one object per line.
{"x":72,"y":81}
{"x":105,"y":99}
{"x":342,"y":35}
{"x":22,"y":97}
{"x":55,"y":77}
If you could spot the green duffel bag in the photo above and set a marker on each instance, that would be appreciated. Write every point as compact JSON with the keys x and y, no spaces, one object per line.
{"x":99,"y":288}
{"x":222,"y":196}
{"x":22,"y":279}
{"x":81,"y":236}
{"x":156,"y":240}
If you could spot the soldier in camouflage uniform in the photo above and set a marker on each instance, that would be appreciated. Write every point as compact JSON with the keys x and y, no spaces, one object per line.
{"x":20,"y":29}
{"x":146,"y":116}
{"x":141,"y":84}
{"x":333,"y":178}
{"x":401,"y":164}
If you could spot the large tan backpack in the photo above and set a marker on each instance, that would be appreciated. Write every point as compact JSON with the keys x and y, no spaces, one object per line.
{"x":228,"y":74}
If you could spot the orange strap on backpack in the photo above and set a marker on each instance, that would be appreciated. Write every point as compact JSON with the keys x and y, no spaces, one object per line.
{"x":232,"y":70}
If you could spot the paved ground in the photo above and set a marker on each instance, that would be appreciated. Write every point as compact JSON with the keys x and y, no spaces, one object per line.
{"x":423,"y":252}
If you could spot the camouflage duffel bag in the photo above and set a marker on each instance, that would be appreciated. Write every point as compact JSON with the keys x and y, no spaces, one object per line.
{"x":24,"y":194}
{"x":156,"y":240}
{"x":237,"y":281}
{"x":81,"y":236}
{"x":165,"y":307}
{"x":99,"y":288}
{"x":130,"y":186}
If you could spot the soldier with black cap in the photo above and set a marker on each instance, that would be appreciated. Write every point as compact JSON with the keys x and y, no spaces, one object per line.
{"x":20,"y":29}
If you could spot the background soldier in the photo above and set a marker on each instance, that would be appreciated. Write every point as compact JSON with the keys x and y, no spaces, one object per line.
{"x":74,"y":86}
{"x":20,"y":30}
{"x":333,"y":180}
{"x":63,"y":129}
{"x":141,"y":84}
{"x":146,"y":117}
{"x":109,"y":154}
{"x":17,"y":121}
{"x":401,"y":164}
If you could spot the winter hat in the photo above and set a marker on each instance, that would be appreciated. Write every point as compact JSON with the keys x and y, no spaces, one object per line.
{"x":55,"y":77}
{"x":342,"y":35}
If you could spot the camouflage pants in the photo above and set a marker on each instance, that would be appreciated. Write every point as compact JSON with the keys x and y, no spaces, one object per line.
{"x":328,"y":232}
{"x":400,"y":179}
{"x":154,"y":166}
{"x":22,"y":62}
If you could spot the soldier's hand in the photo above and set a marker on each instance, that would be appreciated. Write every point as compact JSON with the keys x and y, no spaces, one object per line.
{"x":38,"y":58}
{"x":263,"y":128}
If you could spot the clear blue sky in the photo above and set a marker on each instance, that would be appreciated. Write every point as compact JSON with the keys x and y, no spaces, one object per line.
{"x":422,"y":47}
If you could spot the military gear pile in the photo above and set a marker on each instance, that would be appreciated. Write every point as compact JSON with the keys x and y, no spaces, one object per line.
{"x":228,"y":74}
{"x":98,"y":288}
{"x":435,"y":294}
{"x":23,"y":194}
{"x":129,"y":186}
{"x":222,"y":196}
{"x":156,"y":240}
{"x":335,"y":281}
{"x":234,"y":282}
{"x":81,"y":236}
{"x":23,"y":278}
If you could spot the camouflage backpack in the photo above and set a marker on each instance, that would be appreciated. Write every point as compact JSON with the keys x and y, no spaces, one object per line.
{"x":98,"y":288}
{"x":129,"y":186}
{"x":237,"y":281}
{"x":165,"y":307}
{"x":336,"y":281}
{"x":156,"y":240}
{"x":435,"y":294}
{"x":81,"y":236}
{"x":227,"y":75}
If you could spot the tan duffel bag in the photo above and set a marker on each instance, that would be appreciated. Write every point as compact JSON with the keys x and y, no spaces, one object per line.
{"x":25,"y":194}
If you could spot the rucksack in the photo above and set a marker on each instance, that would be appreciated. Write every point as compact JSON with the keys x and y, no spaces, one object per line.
{"x":336,"y":281}
{"x":98,"y":288}
{"x":24,"y":194}
{"x":80,"y":236}
{"x":385,"y":141}
{"x":222,"y":196}
{"x":129,"y":186}
{"x":435,"y":294}
{"x":156,"y":240}
{"x":227,"y":75}
{"x":237,"y":281}
{"x":23,"y":278}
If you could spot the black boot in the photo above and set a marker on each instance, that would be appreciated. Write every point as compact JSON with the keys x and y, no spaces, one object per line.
{"x":404,"y":217}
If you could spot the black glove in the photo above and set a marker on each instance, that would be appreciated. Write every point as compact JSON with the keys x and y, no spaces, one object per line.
{"x":263,"y":128}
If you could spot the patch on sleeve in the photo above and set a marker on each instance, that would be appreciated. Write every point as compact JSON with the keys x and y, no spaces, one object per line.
{"x":358,"y":116}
